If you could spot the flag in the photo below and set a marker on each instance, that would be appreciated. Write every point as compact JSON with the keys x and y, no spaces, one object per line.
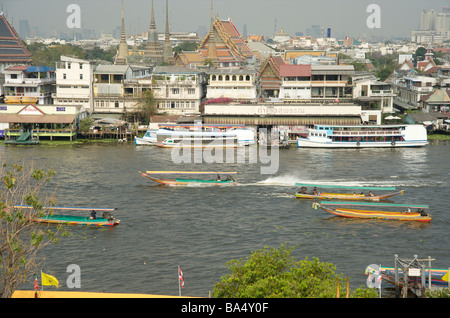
{"x":445,"y":277}
{"x":181,"y":277}
{"x":48,"y":280}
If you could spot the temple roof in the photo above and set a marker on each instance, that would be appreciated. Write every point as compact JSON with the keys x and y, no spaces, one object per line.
{"x":11,"y":47}
{"x":229,"y":43}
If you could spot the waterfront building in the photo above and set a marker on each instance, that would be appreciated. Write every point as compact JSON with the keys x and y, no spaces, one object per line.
{"x":43,"y":121}
{"x":316,"y":83}
{"x":177,"y":89}
{"x":26,"y":84}
{"x":12,"y":49}
{"x":74,"y":82}
{"x":242,"y":84}
{"x":374,"y":96}
{"x":108,"y":88}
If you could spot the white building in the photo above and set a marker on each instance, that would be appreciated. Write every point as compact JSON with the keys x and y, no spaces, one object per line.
{"x":178,"y":90}
{"x":241,"y":85}
{"x":74,"y":82}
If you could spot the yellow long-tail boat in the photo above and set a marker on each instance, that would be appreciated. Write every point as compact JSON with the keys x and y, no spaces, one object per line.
{"x":370,"y":210}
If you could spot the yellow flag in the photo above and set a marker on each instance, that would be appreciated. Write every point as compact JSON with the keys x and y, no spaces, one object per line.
{"x":48,"y":280}
{"x":445,"y":277}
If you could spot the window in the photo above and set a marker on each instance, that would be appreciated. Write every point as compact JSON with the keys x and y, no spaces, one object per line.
{"x":81,"y":76}
{"x":191,"y":91}
{"x":64,"y":76}
{"x":69,"y":65}
{"x":13,"y":76}
{"x":81,"y":66}
{"x":175,"y":91}
{"x":116,"y":104}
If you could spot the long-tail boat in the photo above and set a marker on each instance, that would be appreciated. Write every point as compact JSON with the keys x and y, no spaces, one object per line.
{"x":227,"y":180}
{"x":439,"y":277}
{"x":400,"y":212}
{"x":106,"y":219}
{"x":354,"y":196}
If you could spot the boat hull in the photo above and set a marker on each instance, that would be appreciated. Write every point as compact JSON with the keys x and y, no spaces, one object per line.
{"x":77,"y":220}
{"x":305,"y":143}
{"x":346,"y":196}
{"x":144,"y":141}
{"x":188,"y":181}
{"x":388,"y":274}
{"x":383,"y":215}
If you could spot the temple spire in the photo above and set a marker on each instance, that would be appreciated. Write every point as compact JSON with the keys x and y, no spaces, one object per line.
{"x":167,"y":47}
{"x":153,"y":50}
{"x":122,"y":53}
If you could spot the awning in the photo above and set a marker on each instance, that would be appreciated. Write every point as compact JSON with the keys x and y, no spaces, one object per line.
{"x":35,"y":119}
{"x":290,"y":121}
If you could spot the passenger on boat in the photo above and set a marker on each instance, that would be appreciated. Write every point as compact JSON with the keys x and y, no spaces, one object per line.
{"x":303,"y":190}
{"x":370,"y":194}
{"x":218,"y":177}
{"x":315,"y":191}
{"x":93,"y":215}
{"x":229,"y":178}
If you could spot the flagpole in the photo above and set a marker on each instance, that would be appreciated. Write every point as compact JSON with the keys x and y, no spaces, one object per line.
{"x":42,"y":285}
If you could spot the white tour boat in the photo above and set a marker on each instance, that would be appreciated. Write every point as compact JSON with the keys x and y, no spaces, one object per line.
{"x":364,"y":136}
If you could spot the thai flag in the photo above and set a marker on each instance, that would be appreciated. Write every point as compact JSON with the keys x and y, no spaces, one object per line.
{"x":181,"y":277}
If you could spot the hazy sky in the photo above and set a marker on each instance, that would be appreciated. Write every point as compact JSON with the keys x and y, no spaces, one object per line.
{"x":344,"y":17}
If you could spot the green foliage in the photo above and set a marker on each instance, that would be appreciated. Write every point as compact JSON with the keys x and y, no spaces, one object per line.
{"x":43,"y":55}
{"x":20,"y":237}
{"x":438,"y":293}
{"x":86,"y":123}
{"x":185,"y":46}
{"x":274,"y":273}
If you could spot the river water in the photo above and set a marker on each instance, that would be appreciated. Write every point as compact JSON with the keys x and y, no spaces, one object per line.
{"x":201,"y":228}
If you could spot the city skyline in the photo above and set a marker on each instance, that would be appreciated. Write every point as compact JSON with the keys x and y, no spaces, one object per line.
{"x":265,"y":17}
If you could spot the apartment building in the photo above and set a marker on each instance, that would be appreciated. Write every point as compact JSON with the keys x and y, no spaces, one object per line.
{"x":74,"y":82}
{"x":316,"y":83}
{"x":410,"y":90}
{"x":29,"y":84}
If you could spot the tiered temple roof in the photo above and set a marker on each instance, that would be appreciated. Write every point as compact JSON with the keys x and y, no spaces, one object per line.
{"x":12,"y":50}
{"x":230,"y":46}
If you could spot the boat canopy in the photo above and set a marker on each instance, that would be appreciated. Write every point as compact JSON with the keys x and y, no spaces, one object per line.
{"x":343,"y":187}
{"x":415,"y":206}
{"x":66,"y":208}
{"x":190,"y":172}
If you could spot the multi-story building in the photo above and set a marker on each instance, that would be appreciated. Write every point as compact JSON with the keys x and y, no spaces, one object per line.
{"x":29,"y":84}
{"x":374,"y":96}
{"x":316,"y":83}
{"x":74,"y":82}
{"x":242,"y":85}
{"x":410,"y":89}
{"x":178,"y":90}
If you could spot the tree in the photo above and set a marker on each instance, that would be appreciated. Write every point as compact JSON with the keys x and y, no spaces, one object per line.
{"x":274,"y":273}
{"x":20,"y":237}
{"x":145,"y":107}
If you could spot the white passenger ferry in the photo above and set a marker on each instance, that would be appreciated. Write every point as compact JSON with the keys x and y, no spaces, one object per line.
{"x":364,"y":136}
{"x":244,"y":135}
